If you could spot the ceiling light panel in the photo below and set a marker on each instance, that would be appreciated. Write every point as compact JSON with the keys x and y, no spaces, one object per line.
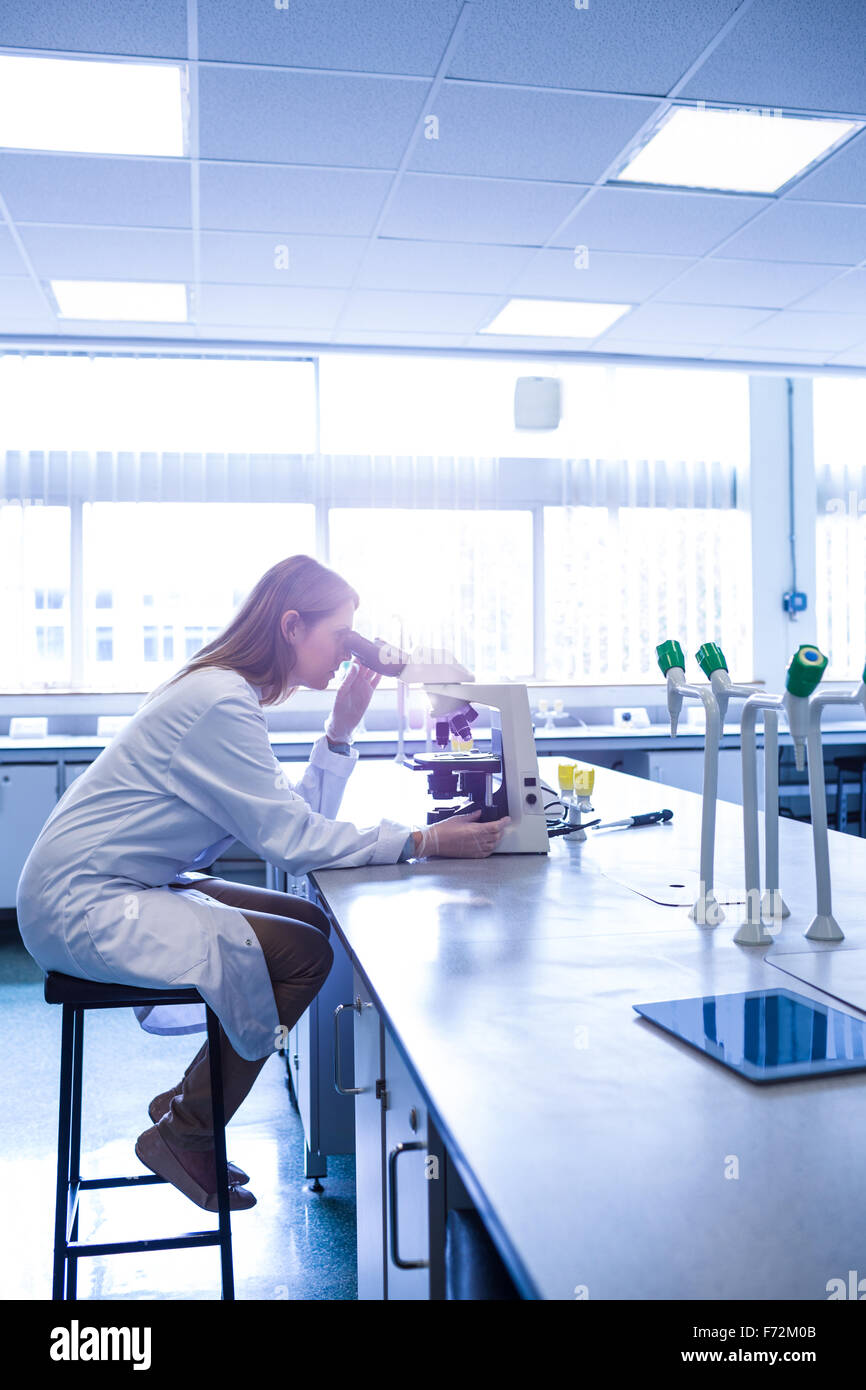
{"x":81,"y":106}
{"x":742,"y":150}
{"x":557,"y":318}
{"x":122,"y":300}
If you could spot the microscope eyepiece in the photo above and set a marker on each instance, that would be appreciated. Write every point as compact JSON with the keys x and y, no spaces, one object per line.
{"x":378,"y":655}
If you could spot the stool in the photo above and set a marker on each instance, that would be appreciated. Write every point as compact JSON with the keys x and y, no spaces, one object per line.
{"x":857,"y":765}
{"x":76,"y":997}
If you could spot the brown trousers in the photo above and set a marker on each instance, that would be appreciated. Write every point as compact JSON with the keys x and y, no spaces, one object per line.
{"x":293,"y":933}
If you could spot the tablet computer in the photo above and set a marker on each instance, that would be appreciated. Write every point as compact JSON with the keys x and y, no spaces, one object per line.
{"x":765,"y":1034}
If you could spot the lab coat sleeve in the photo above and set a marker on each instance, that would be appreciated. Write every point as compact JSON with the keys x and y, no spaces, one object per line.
{"x":324,"y":778}
{"x":225,"y":768}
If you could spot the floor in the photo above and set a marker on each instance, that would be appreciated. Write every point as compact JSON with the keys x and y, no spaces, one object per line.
{"x":295,"y":1244}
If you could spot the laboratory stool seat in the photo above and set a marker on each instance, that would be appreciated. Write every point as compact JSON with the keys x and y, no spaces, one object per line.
{"x":76,"y":997}
{"x":857,"y":765}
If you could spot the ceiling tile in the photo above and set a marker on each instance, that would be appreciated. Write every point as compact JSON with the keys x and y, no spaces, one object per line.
{"x":393,"y":337}
{"x":10,"y":257}
{"x":638,"y":347}
{"x":441,"y":265}
{"x":795,"y":356}
{"x":240,"y":333}
{"x":813,"y":232}
{"x":648,"y":220}
{"x":248,"y":197}
{"x":790,"y":54}
{"x":99,"y":26}
{"x":97,"y":328}
{"x":845,"y":295}
{"x":97,"y":253}
{"x":851,"y":357}
{"x":527,"y":342}
{"x":20,"y":299}
{"x":504,"y":211}
{"x":607,"y":275}
{"x":382,"y":309}
{"x":528,"y":135}
{"x":83,"y":189}
{"x":378,"y":36}
{"x":611,"y":46}
{"x":686,"y":323}
{"x":754,"y":283}
{"x":808,"y":331}
{"x":261,"y":304}
{"x":264,"y":258}
{"x":839,"y":179}
{"x":306,"y":118}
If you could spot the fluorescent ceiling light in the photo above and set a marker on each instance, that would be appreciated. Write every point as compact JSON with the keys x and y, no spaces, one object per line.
{"x":743,"y":151}
{"x":120,"y":299}
{"x":90,"y":107}
{"x":555,"y":318}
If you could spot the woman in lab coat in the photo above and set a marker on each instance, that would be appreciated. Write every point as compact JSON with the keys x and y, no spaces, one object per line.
{"x":112,"y":888}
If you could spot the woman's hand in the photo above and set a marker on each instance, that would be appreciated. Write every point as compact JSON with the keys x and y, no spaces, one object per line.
{"x":461,"y":837}
{"x":351,"y":701}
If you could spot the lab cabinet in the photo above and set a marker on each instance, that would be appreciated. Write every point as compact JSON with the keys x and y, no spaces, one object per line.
{"x":393,"y":1170}
{"x":327,"y":1116}
{"x":685,"y":770}
{"x":71,"y":771}
{"x":369,"y":1046}
{"x":28,"y":795}
{"x":408,"y":1176}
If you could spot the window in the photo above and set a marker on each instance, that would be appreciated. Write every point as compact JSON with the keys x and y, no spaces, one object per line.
{"x":839,"y":415}
{"x":452,"y":580}
{"x":560,"y":555}
{"x":193,"y":559}
{"x":34,"y":577}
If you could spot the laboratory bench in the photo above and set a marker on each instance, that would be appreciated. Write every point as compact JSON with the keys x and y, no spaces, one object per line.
{"x":492,"y":1062}
{"x":35,"y":772}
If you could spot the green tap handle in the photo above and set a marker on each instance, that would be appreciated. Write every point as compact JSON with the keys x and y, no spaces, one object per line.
{"x":806,"y":668}
{"x":670,"y":654}
{"x":710,"y":658}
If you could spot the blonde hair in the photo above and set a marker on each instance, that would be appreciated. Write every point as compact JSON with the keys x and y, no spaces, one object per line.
{"x":252,"y":643}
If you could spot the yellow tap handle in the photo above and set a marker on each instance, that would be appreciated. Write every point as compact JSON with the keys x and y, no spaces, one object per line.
{"x":584,"y":780}
{"x":565,"y":773}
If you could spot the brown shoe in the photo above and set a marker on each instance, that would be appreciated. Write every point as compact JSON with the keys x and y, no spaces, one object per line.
{"x":161,"y":1104}
{"x":154,"y":1153}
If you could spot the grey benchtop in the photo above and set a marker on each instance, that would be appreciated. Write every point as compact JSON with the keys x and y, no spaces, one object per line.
{"x":599,"y":1158}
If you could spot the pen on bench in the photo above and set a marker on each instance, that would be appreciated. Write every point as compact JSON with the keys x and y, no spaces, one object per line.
{"x":648,"y":818}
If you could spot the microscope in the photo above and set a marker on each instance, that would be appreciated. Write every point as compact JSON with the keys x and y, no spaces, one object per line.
{"x":502,"y":782}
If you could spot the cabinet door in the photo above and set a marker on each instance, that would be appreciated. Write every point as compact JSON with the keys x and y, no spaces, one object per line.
{"x":71,"y":771}
{"x":28,"y":795}
{"x":306,"y":1094}
{"x":369,"y":1144}
{"x":407,"y":1179}
{"x":686,"y":770}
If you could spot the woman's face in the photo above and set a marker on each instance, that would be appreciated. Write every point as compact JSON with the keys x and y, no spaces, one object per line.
{"x":320,"y":648}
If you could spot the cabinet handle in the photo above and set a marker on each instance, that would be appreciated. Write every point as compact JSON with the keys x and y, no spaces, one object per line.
{"x":338,"y":1085}
{"x":392,"y":1201}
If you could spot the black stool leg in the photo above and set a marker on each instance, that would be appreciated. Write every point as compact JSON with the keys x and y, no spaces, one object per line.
{"x":61,"y":1209}
{"x":219,"y":1143}
{"x":75,"y":1142}
{"x":841,"y":802}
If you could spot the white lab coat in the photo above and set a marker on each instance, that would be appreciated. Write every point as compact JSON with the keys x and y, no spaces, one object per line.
{"x":191,"y":772}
